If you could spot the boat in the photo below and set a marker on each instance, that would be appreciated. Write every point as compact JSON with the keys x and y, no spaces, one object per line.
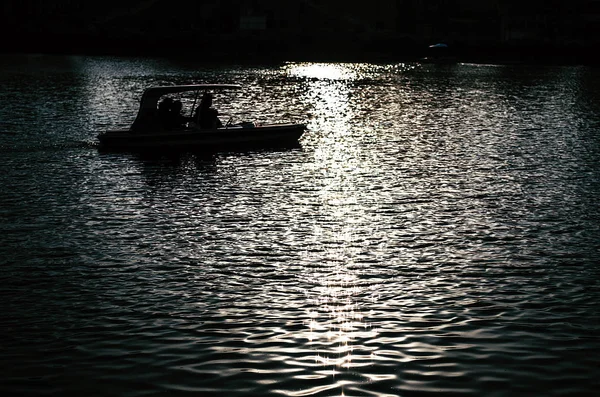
{"x":149,"y":132}
{"x":439,"y":53}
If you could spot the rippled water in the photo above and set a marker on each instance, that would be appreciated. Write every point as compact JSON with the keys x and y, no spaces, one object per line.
{"x":438,"y":232}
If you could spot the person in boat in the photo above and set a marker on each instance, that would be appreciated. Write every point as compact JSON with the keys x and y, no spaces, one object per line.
{"x":165,"y":111}
{"x":176,"y":119}
{"x":206,"y":116}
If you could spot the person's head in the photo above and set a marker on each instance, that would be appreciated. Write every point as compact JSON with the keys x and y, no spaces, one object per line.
{"x":165,"y":104}
{"x":177,"y":106}
{"x":206,"y":100}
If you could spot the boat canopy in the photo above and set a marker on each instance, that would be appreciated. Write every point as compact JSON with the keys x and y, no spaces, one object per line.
{"x":151,"y":95}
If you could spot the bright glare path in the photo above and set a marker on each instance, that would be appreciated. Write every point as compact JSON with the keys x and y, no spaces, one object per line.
{"x":337,"y":325}
{"x":323,"y":71}
{"x":350,"y":72}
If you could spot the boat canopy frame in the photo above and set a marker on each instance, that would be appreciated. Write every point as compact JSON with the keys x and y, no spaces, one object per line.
{"x":151,"y":95}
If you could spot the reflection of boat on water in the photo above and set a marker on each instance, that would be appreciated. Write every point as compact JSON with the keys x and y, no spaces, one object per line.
{"x":149,"y":130}
{"x":438,"y":60}
{"x":439,"y":54}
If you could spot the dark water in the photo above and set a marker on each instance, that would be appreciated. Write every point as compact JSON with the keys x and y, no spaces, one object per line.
{"x":438,"y":232}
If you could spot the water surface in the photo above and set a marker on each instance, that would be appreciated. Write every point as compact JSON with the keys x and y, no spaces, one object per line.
{"x":437,"y":232}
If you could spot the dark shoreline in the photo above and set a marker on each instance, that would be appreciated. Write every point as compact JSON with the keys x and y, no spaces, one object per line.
{"x":299,"y":50}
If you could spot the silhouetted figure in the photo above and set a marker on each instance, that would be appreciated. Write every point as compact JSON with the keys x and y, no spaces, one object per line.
{"x":176,"y":119}
{"x":206,"y":116}
{"x":165,"y":112}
